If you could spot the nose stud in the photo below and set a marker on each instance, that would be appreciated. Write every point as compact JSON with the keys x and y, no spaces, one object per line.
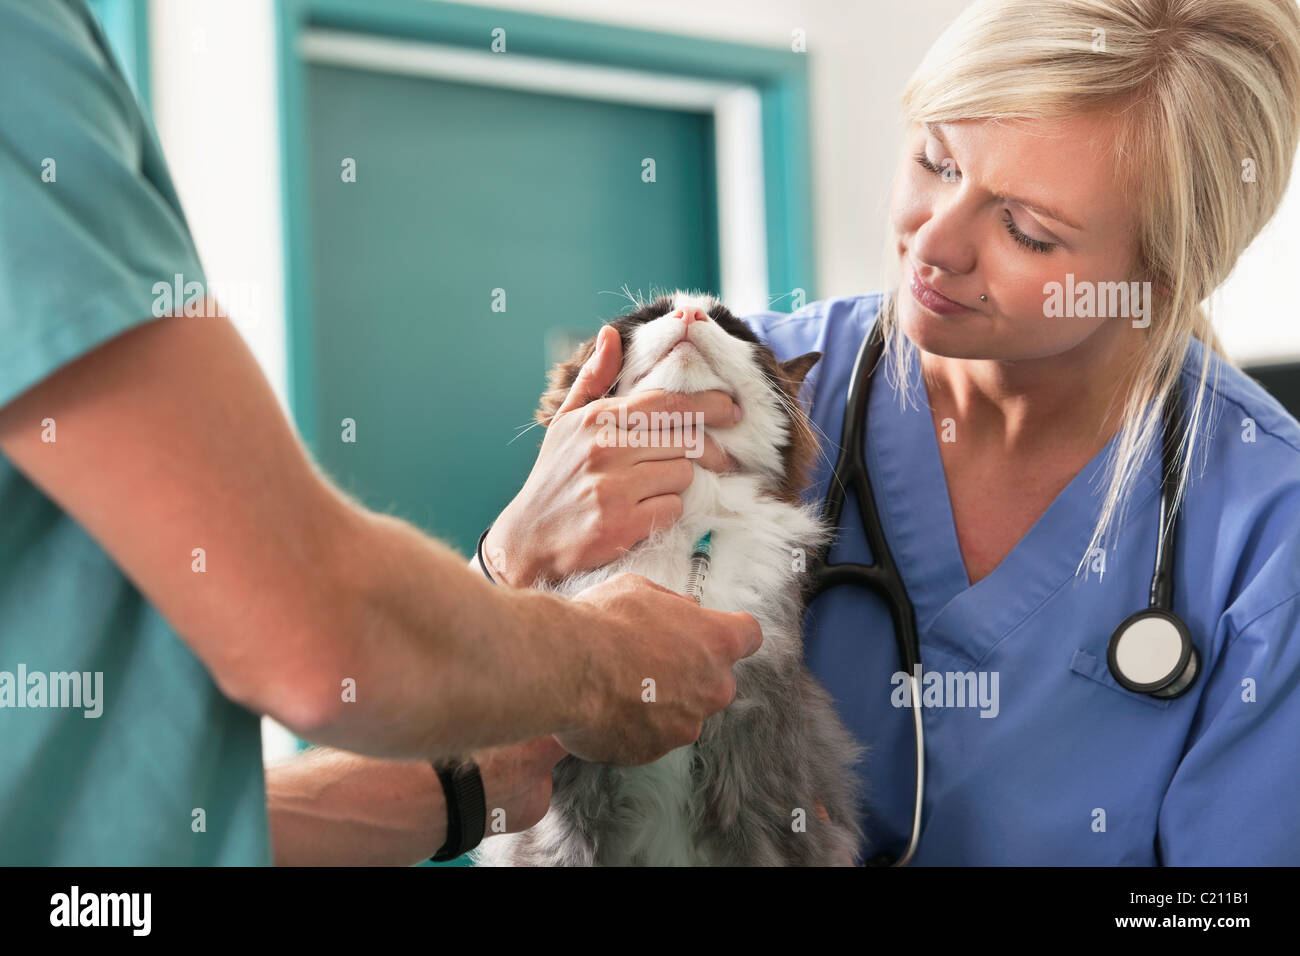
{"x":984,"y":298}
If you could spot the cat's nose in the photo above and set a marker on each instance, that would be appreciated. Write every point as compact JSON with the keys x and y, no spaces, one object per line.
{"x":691,"y":314}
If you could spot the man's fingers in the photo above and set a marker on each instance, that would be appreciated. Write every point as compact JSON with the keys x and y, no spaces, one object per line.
{"x":751,"y":633}
{"x":659,"y":511}
{"x":718,"y":409}
{"x":646,"y":582}
{"x":650,"y":479}
{"x":547,"y":751}
{"x":691,"y":444}
{"x":529,"y":756}
{"x":714,"y":458}
{"x":599,"y":372}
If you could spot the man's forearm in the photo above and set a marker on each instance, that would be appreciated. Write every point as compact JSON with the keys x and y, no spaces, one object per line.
{"x":332,"y":808}
{"x":430,"y":659}
{"x":349,"y":628}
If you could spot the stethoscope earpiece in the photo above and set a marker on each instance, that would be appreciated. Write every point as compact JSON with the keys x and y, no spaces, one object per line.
{"x":1152,"y":653}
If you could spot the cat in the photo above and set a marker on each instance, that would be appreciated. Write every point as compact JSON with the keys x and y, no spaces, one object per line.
{"x":771,"y":779}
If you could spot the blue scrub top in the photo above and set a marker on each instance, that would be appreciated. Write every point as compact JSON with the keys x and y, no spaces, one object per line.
{"x":160,"y":768}
{"x":1073,"y":768}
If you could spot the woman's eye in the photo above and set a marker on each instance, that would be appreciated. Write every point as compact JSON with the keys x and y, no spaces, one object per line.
{"x":925,"y":162}
{"x":948,"y":171}
{"x":1037,"y":245}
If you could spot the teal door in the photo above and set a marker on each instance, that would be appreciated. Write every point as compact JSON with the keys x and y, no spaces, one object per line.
{"x":466,"y":197}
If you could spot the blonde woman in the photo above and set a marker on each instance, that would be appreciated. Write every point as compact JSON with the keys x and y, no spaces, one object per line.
{"x":1055,"y":149}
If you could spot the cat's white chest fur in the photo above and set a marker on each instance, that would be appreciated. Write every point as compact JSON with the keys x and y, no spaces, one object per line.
{"x":760,"y":548}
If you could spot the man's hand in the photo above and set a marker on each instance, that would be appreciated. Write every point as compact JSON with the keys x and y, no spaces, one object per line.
{"x":517,"y":782}
{"x":662,"y":666}
{"x":329,"y":807}
{"x":587,"y":501}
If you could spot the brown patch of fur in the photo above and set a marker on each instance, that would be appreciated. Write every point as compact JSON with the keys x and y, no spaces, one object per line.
{"x":800,"y":452}
{"x":562,"y":377}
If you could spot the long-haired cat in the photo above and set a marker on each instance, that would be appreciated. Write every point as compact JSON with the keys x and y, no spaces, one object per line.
{"x":771,"y":779}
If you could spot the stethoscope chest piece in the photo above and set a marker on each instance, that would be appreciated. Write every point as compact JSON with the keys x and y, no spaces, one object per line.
{"x":1152,"y":653}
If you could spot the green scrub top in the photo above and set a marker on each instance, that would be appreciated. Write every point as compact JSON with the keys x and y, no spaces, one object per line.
{"x":129,"y":754}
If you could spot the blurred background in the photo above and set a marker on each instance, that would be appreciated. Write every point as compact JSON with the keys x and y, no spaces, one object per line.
{"x":411,"y":209}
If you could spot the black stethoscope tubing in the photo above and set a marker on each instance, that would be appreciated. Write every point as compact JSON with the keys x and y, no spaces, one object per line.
{"x":883,"y":576}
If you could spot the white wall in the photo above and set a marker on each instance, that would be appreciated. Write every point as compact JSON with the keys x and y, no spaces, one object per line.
{"x":215,"y":105}
{"x":1253,"y":311}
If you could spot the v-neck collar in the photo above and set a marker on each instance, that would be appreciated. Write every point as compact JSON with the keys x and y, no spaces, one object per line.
{"x":963,"y":619}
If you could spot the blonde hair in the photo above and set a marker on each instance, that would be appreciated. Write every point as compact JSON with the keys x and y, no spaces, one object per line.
{"x":1205,"y":90}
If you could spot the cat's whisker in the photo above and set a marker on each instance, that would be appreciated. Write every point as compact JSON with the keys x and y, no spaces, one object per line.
{"x":797,"y":414}
{"x":627,"y":294}
{"x":796,"y":411}
{"x":521,"y":430}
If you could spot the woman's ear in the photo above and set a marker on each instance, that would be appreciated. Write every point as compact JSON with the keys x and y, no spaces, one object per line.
{"x":1160,"y":284}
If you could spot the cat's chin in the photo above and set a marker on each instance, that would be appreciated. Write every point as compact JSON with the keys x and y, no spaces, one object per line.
{"x":687,"y":375}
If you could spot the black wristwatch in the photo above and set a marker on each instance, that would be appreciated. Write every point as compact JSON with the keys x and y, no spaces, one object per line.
{"x":462,"y":788}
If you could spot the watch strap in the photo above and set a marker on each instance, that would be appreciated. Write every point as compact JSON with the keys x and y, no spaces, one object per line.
{"x":462,"y":788}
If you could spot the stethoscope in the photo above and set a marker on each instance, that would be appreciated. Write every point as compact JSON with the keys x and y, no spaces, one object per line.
{"x":1151,"y":652}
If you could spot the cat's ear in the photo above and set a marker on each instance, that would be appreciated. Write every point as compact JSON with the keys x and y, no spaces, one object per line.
{"x":796,"y":369}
